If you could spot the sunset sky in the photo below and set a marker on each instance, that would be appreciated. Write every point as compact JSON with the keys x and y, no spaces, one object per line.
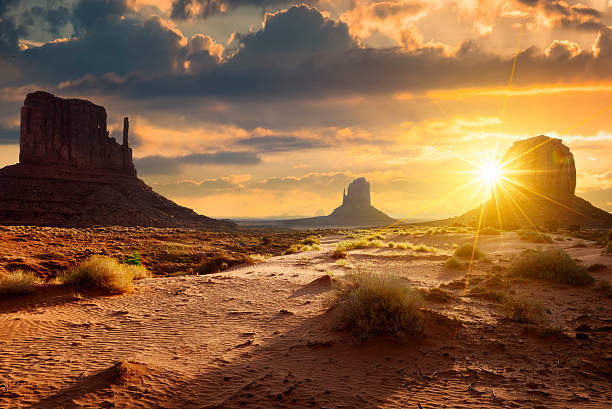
{"x":269,"y":108}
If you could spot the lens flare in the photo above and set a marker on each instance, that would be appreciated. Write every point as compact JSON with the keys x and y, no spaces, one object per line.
{"x":491,"y":172}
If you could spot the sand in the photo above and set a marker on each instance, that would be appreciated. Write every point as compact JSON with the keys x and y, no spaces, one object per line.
{"x":262,"y":335}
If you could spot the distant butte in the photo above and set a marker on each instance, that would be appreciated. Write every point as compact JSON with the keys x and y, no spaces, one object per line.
{"x":544,"y":175}
{"x":356,"y":210}
{"x":71,"y":173}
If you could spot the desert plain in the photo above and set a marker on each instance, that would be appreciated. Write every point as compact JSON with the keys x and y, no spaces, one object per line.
{"x":265,"y":332}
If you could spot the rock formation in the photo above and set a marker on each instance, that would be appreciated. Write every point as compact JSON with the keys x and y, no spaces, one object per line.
{"x":540,"y":190}
{"x":356,"y":210}
{"x":71,"y":173}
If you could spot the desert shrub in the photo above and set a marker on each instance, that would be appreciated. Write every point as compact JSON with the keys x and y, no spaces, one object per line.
{"x":489,"y":231}
{"x":298,"y":248}
{"x":265,"y":240}
{"x":424,"y":248}
{"x":488,"y":294}
{"x":608,"y":249}
{"x":453,"y":263}
{"x":18,"y":283}
{"x":596,"y":267}
{"x":534,"y":236}
{"x":438,"y":294}
{"x":338,"y":254}
{"x":466,"y":250}
{"x":134,"y":259}
{"x":219,"y":262}
{"x":573,"y":228}
{"x":373,"y":304}
{"x":358,"y":244}
{"x":551,"y":264}
{"x":310,"y":241}
{"x":524,"y":311}
{"x":375,"y":237}
{"x":106,"y":273}
{"x":605,"y":287}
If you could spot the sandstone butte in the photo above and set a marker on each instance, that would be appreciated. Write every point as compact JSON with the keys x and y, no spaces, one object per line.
{"x":72,"y":174}
{"x":356,"y":210}
{"x":543,"y":190}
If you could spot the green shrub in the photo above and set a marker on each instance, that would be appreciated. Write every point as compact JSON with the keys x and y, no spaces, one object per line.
{"x":106,"y":273}
{"x":134,"y":259}
{"x":551,"y":264}
{"x":18,"y":283}
{"x":466,"y":250}
{"x":376,"y":304}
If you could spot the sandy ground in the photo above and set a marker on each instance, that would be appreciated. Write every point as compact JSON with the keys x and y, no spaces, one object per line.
{"x":261,"y":336}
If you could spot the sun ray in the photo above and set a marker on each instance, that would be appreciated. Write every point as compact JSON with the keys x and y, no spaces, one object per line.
{"x":542,"y":195}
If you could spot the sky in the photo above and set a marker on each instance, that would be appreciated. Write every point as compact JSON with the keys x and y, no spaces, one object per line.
{"x":269,"y":108}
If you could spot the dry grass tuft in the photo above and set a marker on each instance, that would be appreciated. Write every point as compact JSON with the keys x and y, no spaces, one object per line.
{"x":524,"y":311}
{"x":453,"y":263}
{"x":106,"y":273}
{"x":438,"y":295}
{"x":377,"y":304}
{"x":552,"y":264}
{"x":466,"y":250}
{"x":18,"y":283}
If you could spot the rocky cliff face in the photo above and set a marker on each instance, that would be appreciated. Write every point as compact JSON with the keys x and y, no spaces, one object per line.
{"x":542,"y":164}
{"x":71,"y":134}
{"x":71,"y":173}
{"x":358,"y":193}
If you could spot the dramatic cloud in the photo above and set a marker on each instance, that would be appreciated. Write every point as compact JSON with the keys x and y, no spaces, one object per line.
{"x":184,"y":9}
{"x":163,"y":165}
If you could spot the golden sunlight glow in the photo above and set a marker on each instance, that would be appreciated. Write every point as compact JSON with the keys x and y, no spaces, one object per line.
{"x":490,"y":172}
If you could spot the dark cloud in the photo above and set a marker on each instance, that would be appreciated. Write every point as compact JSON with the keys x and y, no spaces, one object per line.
{"x":52,"y":20}
{"x":184,"y":9}
{"x":9,"y":136}
{"x":165,"y":165}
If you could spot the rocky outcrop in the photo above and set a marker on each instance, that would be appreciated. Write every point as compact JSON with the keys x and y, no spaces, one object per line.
{"x":71,"y":134}
{"x":358,"y":193}
{"x":540,"y":190}
{"x":542,"y":164}
{"x":71,"y":173}
{"x":356,"y":210}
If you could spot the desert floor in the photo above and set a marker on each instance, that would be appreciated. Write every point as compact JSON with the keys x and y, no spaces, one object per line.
{"x":262,"y":336}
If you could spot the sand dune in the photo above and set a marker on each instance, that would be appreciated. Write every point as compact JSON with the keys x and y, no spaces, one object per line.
{"x":261,"y":336}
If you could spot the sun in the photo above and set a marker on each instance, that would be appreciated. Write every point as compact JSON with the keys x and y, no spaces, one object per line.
{"x":490,"y":172}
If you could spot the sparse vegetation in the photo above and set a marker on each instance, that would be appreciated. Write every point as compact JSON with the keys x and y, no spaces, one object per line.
{"x":489,"y":231}
{"x":605,"y":287}
{"x":358,"y":244}
{"x":533,"y":236}
{"x":222,"y":261}
{"x":596,"y":267}
{"x":339,"y":254}
{"x":106,"y":273}
{"x":377,"y":304}
{"x":573,"y":228}
{"x":298,"y":248}
{"x":18,"y":283}
{"x":134,"y":259}
{"x":310,"y":241}
{"x":551,"y":264}
{"x":524,"y":311}
{"x":466,"y":250}
{"x":438,"y":295}
{"x":453,"y":263}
